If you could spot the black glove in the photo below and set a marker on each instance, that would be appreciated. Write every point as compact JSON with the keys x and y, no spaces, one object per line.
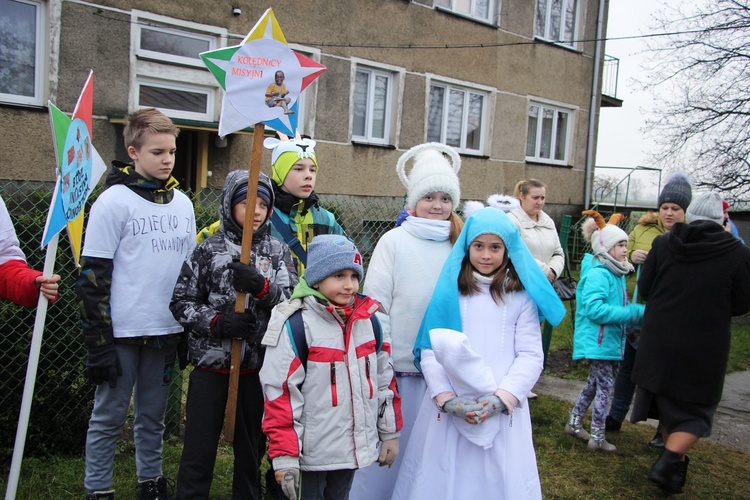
{"x":235,"y":325}
{"x":103,"y":365}
{"x":247,"y":278}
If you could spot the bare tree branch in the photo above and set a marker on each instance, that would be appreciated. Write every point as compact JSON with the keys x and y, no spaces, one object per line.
{"x":701,"y":74}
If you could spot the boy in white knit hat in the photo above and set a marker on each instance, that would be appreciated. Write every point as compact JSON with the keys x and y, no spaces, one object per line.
{"x":330,"y":391}
{"x":602,"y":315}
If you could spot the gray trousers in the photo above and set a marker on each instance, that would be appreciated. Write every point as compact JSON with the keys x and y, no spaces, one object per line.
{"x":326,"y":485}
{"x":146,"y":375}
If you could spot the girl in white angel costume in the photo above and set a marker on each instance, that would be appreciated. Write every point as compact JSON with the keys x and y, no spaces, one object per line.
{"x":479,"y":349}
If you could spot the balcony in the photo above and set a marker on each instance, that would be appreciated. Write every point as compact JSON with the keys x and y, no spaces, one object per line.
{"x":610,"y":74}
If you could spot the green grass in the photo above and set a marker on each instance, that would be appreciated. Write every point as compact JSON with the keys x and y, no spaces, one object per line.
{"x":739,"y":352}
{"x":566,"y":468}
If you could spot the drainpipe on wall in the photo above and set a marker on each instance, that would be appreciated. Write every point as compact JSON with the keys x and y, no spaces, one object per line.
{"x":590,"y":149}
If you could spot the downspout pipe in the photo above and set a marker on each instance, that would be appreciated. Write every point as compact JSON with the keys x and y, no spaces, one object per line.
{"x":591,"y":141}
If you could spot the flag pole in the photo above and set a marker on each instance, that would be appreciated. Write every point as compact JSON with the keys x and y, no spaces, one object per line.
{"x":31,"y":369}
{"x":256,"y":157}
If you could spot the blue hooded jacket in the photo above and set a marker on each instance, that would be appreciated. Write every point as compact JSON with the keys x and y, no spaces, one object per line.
{"x":603,"y":313}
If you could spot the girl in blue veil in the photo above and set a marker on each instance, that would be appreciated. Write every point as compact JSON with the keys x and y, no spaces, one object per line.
{"x":479,"y":349}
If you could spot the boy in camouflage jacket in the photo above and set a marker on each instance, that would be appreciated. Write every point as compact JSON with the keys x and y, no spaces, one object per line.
{"x":203,"y":302}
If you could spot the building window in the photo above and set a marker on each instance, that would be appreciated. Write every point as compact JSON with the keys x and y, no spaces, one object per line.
{"x":22,"y":51}
{"x":548,"y":133}
{"x":556,"y":21}
{"x":167,"y":71}
{"x":483,"y":10}
{"x":173,"y":46}
{"x":373,"y":97}
{"x":456,"y":117}
{"x":181,"y":100}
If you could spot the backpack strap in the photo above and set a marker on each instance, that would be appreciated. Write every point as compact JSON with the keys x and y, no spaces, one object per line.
{"x":289,"y":238}
{"x":377,"y":330}
{"x":296,"y":329}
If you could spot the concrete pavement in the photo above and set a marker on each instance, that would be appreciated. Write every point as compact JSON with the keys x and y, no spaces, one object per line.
{"x":732,"y":421}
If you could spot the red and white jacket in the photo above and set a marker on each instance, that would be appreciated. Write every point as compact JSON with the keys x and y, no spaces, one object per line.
{"x":331,"y":414}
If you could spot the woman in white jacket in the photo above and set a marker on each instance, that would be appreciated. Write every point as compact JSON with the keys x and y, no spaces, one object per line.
{"x":540,"y":235}
{"x":537,"y":228}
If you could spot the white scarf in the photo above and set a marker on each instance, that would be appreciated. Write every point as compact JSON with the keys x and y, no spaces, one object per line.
{"x":427,"y":229}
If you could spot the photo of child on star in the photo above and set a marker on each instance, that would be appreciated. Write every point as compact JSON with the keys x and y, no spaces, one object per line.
{"x":276,"y":94}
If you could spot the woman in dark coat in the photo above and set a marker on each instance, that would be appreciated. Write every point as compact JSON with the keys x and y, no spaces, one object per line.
{"x":695,"y":278}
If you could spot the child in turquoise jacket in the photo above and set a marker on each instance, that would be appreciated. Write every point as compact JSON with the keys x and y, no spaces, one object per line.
{"x":603,"y":315}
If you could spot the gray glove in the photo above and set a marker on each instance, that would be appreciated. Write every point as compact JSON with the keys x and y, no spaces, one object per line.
{"x":494,"y":405}
{"x":458,"y":407}
{"x":289,"y":481}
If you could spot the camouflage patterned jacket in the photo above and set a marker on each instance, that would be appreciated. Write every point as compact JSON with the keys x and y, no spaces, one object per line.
{"x":204,"y":288}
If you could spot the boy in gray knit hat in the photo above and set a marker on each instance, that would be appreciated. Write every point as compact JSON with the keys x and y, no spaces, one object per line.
{"x":334,"y":387}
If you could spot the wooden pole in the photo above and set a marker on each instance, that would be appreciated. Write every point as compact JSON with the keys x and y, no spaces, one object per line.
{"x":256,"y":158}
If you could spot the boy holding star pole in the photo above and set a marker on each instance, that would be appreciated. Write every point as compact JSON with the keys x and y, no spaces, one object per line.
{"x":241,"y":109}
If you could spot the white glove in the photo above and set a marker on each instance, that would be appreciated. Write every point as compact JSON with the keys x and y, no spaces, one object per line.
{"x":289,"y":481}
{"x":508,"y":399}
{"x":388,"y":452}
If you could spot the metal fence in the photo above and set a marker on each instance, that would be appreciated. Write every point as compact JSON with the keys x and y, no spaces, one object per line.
{"x":62,"y":397}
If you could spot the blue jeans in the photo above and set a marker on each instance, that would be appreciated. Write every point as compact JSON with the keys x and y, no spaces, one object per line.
{"x":624,"y":386}
{"x":146,"y":375}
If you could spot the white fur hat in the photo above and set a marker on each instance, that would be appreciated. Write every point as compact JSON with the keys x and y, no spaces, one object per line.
{"x":500,"y":201}
{"x":603,"y":240}
{"x":431,"y":172}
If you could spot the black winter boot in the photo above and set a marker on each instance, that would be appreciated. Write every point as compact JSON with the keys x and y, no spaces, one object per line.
{"x":153,"y":489}
{"x":101,"y":495}
{"x":669,"y":471}
{"x":612,"y":425}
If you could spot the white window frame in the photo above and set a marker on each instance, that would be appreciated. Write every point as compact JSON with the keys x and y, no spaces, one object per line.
{"x":556,"y":108}
{"x":40,"y":60}
{"x":392,"y":119}
{"x":174,"y":72}
{"x":487,"y":111}
{"x":182,"y":86}
{"x":454,"y":7}
{"x":142,"y":53}
{"x":548,"y":24}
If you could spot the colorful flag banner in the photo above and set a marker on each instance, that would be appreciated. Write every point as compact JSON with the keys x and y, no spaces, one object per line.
{"x":79,"y":168}
{"x":262,"y":79}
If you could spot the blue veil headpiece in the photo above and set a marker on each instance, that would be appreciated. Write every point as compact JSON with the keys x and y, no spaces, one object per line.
{"x":443,"y":310}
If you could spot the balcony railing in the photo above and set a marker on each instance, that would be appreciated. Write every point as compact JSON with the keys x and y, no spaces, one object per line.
{"x":610,"y":75}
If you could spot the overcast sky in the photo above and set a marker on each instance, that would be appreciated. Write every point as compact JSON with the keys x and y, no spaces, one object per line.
{"x":621,"y":141}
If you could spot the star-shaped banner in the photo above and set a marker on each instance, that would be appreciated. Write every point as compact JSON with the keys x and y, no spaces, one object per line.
{"x":262,"y":79}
